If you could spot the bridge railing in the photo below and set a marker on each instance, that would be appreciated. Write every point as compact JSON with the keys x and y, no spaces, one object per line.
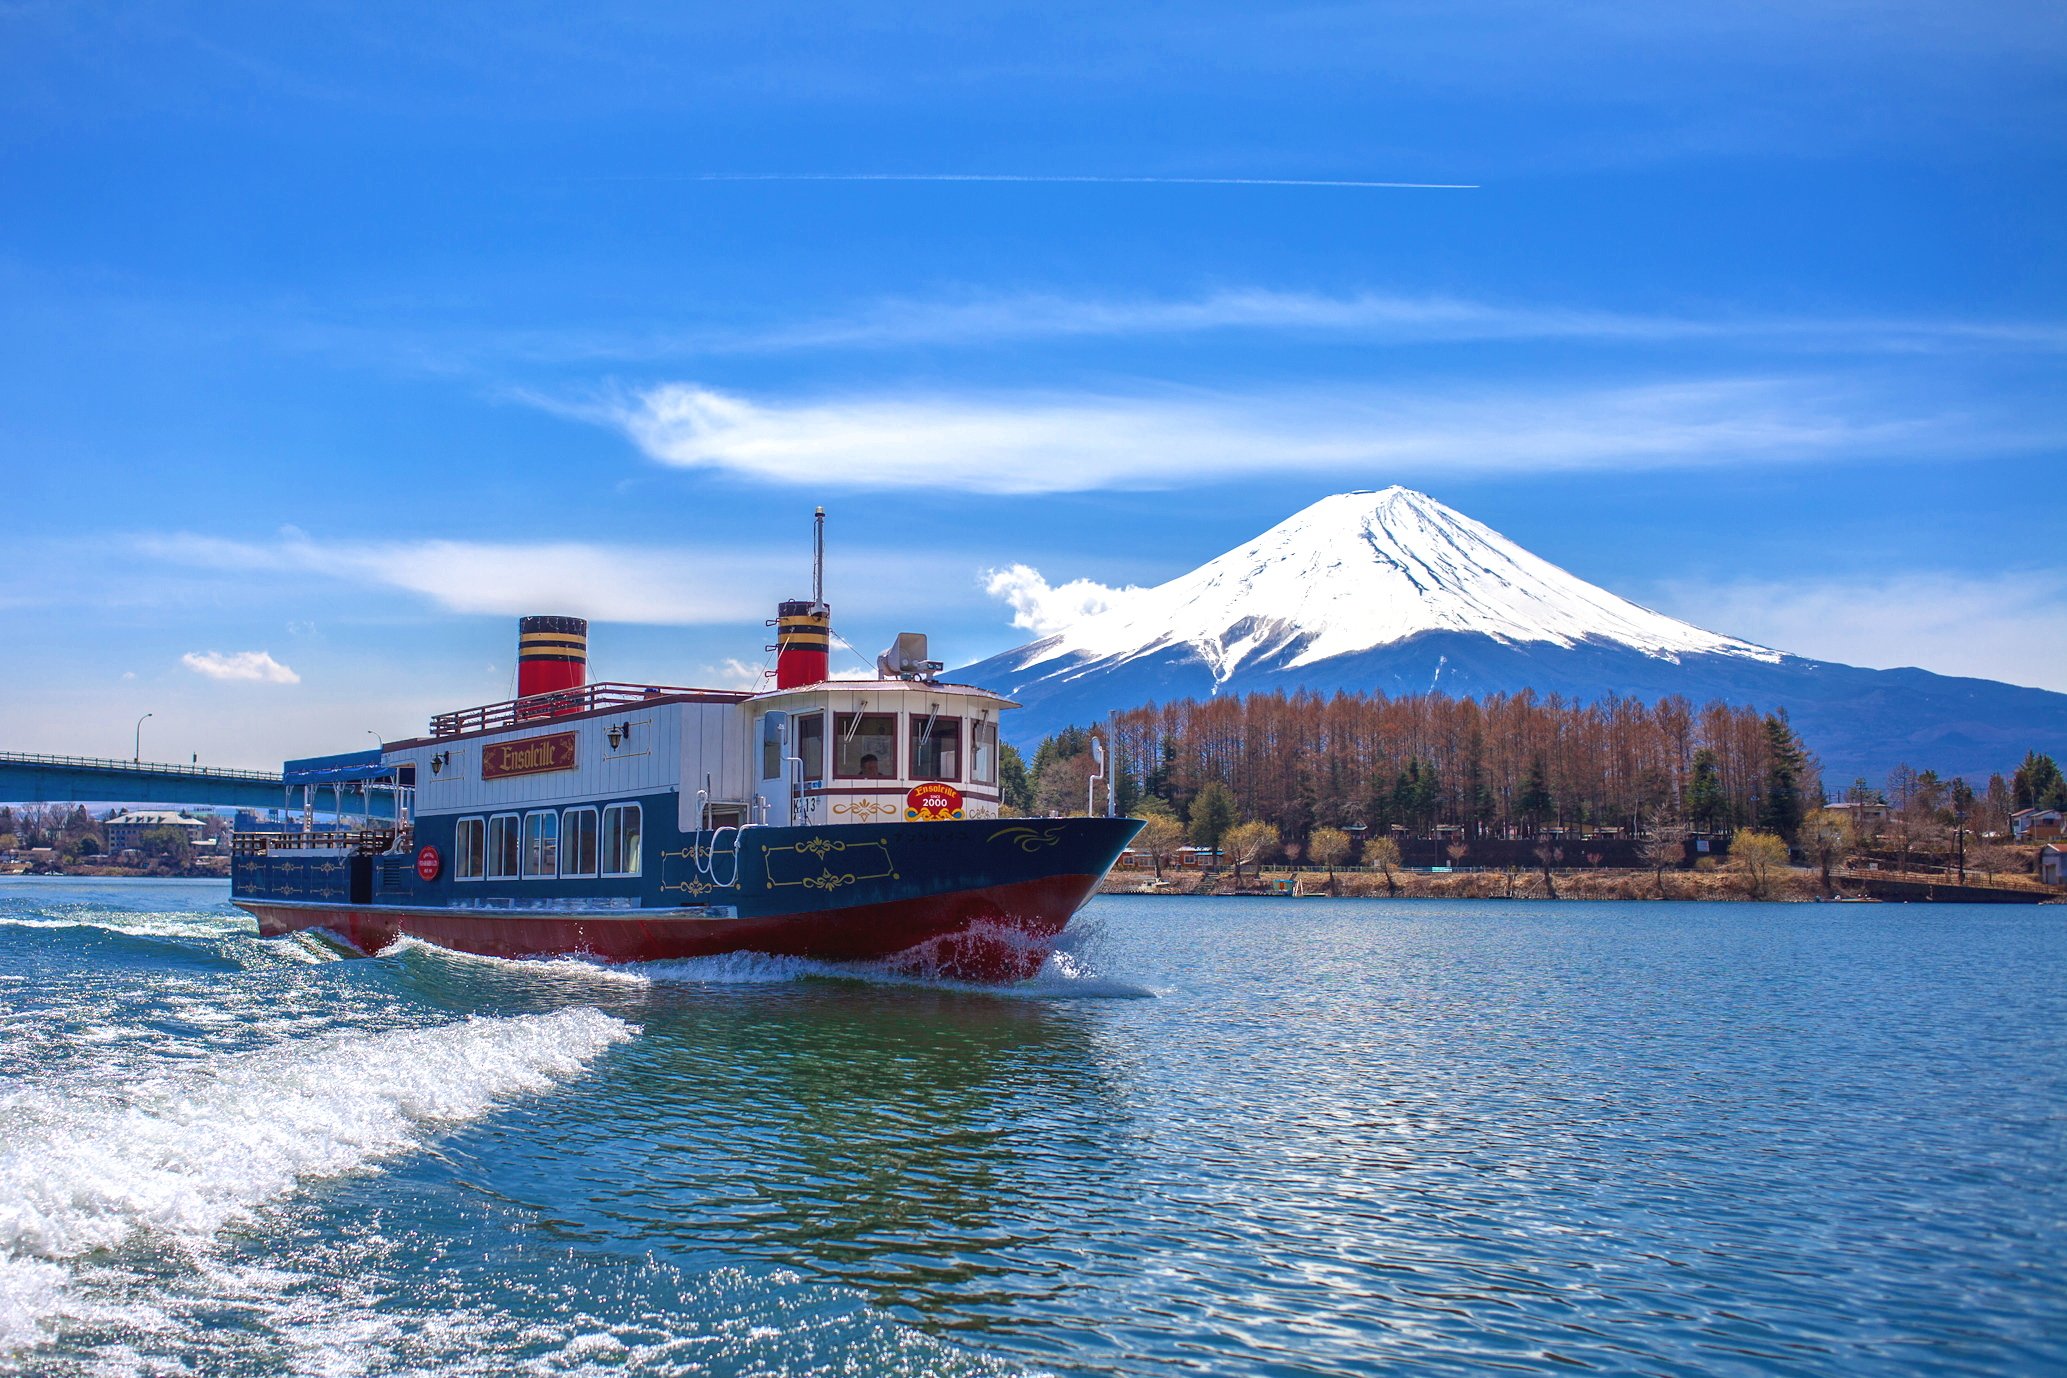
{"x":196,"y":772}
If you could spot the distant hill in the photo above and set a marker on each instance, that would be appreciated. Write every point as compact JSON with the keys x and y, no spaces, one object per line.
{"x":1394,"y":592}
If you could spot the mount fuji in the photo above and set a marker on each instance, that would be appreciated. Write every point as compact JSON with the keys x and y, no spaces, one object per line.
{"x":1391,"y":591}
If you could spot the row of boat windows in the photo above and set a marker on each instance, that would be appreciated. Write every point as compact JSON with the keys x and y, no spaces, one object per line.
{"x":546,"y":844}
{"x":865,"y":747}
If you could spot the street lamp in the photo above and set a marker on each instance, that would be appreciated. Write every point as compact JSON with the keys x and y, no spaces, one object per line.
{"x":138,"y":756}
{"x":377,"y":738}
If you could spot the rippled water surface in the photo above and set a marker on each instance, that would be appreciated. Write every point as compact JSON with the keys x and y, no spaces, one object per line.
{"x":1283,"y":1137}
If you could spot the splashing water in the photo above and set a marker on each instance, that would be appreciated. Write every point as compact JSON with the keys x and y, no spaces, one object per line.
{"x":179,"y":1157}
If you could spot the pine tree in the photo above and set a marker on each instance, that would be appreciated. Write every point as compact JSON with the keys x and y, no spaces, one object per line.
{"x":1707,"y":805}
{"x":1781,"y":806}
{"x":1159,"y":779}
{"x":1015,"y":787}
{"x":1535,"y":802}
{"x":2038,"y":784}
{"x":1212,"y":814}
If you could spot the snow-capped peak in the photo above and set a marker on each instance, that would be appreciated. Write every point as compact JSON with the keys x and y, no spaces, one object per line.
{"x":1365,"y":569}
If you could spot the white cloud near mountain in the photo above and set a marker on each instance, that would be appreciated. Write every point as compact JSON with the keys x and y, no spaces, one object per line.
{"x":257,"y":667}
{"x":1044,"y":610}
{"x":1055,"y":442}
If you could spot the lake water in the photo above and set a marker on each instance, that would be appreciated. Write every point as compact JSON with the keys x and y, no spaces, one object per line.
{"x":1227,"y":1137}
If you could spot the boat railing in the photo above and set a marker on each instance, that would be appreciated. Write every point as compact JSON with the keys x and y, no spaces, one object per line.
{"x":557,"y":703}
{"x":363,"y":841}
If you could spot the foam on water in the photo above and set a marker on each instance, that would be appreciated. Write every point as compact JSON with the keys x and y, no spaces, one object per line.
{"x":1067,"y":972}
{"x":175,"y":924}
{"x":172,"y":1159}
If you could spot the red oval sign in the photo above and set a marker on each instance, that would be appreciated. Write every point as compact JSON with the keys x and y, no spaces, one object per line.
{"x":932,"y":803}
{"x":429,"y":863}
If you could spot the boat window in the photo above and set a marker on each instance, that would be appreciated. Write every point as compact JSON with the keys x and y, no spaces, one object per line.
{"x":541,"y":845}
{"x":578,"y":842}
{"x":936,"y":747}
{"x":621,"y":840}
{"x":983,"y":753}
{"x":867,"y":746}
{"x":504,"y":843}
{"x":467,"y":843}
{"x":771,"y":745}
{"x":811,"y":746}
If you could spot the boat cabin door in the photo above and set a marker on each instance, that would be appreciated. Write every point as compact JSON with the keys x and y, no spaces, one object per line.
{"x":777,"y":787}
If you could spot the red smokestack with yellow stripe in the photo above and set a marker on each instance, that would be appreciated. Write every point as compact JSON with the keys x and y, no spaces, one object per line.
{"x":803,"y":643}
{"x":552,"y":654}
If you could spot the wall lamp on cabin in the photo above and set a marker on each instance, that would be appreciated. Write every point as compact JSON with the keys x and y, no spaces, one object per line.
{"x":439,"y":761}
{"x":619,"y":733}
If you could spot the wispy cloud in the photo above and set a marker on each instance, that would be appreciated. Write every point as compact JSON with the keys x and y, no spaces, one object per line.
{"x":1037,"y":443}
{"x":1053,"y":179}
{"x":2010,"y":627}
{"x":633,"y":583}
{"x":1380,"y":317}
{"x":255,"y":666}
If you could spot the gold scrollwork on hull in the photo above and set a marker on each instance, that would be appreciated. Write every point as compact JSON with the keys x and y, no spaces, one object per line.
{"x":692,"y":887}
{"x":828,"y":881}
{"x":789,"y":865}
{"x":1028,"y":839}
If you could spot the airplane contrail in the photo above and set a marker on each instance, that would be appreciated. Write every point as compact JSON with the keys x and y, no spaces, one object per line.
{"x":1042,"y":177}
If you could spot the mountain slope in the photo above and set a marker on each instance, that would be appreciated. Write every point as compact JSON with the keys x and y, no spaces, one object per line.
{"x":1367,"y":569}
{"x":1391,"y":591}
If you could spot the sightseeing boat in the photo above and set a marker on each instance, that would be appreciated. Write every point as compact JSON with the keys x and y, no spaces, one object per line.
{"x":836,"y":819}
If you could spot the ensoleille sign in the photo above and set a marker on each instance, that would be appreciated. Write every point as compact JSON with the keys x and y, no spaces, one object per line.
{"x":532,"y":756}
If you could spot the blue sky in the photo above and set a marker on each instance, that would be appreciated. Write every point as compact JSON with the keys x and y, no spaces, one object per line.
{"x":338,"y":335}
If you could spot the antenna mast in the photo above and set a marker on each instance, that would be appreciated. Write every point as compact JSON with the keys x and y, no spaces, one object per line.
{"x":818,"y":557}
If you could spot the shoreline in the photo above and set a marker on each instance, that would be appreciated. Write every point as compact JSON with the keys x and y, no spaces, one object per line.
{"x":1793,"y":886}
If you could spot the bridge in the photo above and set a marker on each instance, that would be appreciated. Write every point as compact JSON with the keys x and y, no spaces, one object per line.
{"x":34,"y":779}
{"x":26,"y":778}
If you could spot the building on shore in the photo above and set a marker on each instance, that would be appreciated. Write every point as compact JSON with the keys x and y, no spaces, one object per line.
{"x":2035,"y":825}
{"x":125,"y":831}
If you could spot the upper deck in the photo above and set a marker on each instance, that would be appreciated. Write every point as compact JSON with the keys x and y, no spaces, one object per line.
{"x":836,"y":751}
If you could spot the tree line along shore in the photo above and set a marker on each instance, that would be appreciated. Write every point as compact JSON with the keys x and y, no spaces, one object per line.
{"x":1519,"y":796}
{"x":68,"y":839}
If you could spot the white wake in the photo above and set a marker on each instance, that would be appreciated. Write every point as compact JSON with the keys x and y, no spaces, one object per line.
{"x":179,"y":1157}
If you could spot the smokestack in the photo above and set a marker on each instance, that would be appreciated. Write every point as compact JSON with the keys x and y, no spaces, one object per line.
{"x":804,"y":629}
{"x":803,"y":643}
{"x":552,"y":654}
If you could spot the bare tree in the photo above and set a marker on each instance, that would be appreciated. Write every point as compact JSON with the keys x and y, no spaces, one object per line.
{"x":1546,"y":855}
{"x":1160,"y":837}
{"x":1328,"y":847}
{"x":1664,"y":844}
{"x":1249,"y":844}
{"x":1760,"y":858}
{"x":1384,"y":853}
{"x":1827,"y":835}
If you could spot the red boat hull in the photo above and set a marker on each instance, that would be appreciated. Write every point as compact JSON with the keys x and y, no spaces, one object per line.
{"x":995,"y":933}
